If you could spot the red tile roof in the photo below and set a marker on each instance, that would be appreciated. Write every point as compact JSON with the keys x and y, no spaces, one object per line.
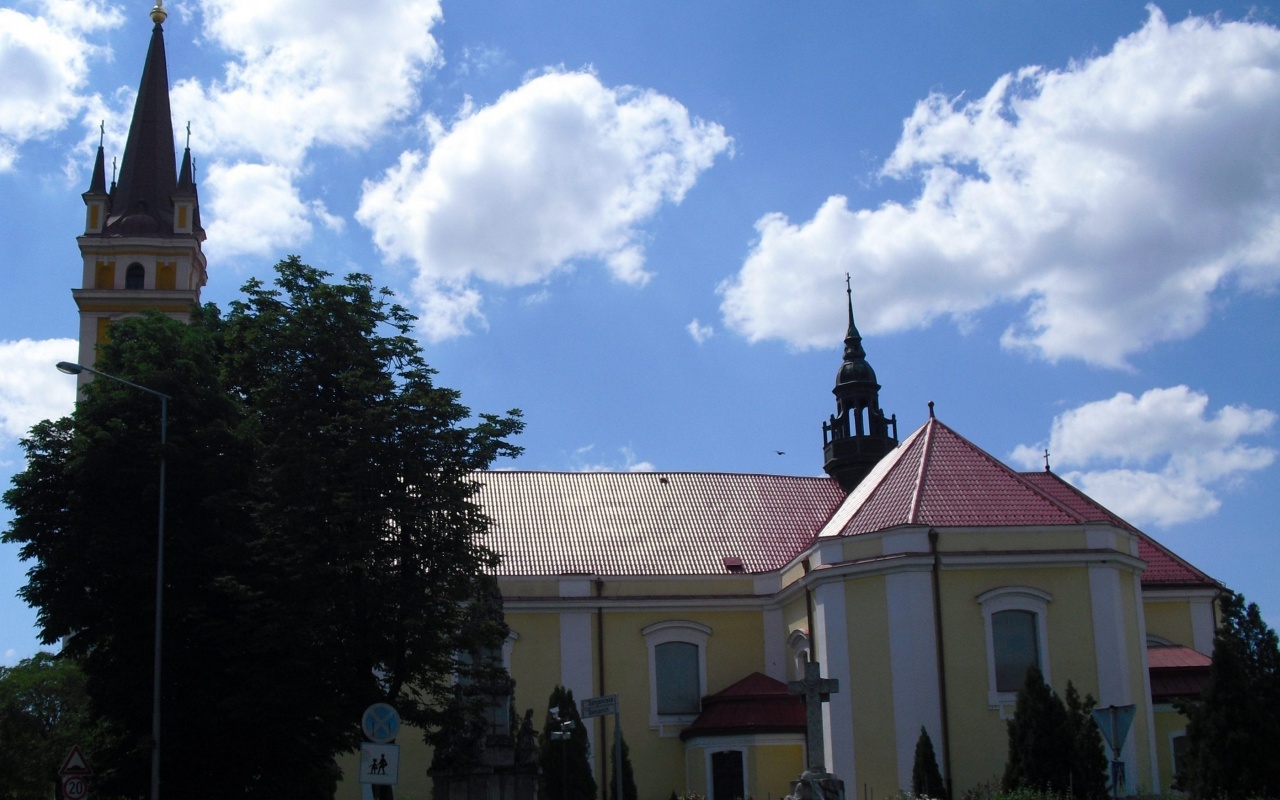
{"x":698,"y":523}
{"x":1177,"y":673}
{"x":646,"y":523}
{"x":938,"y":478}
{"x":1166,"y":656}
{"x":1163,"y":567}
{"x":755,"y":704}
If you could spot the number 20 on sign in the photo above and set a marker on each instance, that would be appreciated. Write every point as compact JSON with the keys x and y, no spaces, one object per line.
{"x":74,"y":787}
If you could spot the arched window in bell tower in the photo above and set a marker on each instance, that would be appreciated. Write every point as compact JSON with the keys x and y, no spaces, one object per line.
{"x":135,"y":276}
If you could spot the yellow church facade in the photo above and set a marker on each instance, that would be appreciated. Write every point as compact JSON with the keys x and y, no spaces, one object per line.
{"x":924,"y":593}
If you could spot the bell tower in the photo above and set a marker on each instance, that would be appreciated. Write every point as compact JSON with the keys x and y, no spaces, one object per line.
{"x":141,"y":244}
{"x":858,"y":435}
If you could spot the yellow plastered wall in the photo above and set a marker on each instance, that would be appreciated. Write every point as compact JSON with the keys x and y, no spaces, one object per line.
{"x":1167,"y":722}
{"x":166,"y":275}
{"x":771,"y":771}
{"x":734,"y":650}
{"x":871,"y":674}
{"x":104,"y":275}
{"x":1170,"y":620}
{"x":974,"y":725}
{"x":535,"y":661}
{"x":770,"y":768}
{"x":104,"y":331}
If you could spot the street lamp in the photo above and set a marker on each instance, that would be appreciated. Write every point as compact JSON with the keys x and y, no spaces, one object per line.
{"x":75,"y":369}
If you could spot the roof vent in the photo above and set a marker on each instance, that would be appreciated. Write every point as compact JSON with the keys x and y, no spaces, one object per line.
{"x":733,"y":564}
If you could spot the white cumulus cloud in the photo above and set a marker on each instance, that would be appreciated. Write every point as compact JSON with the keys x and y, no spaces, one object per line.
{"x":31,"y":390}
{"x":1110,"y":199}
{"x":1159,"y":458}
{"x":301,"y":74}
{"x":559,"y":170}
{"x":44,"y":61}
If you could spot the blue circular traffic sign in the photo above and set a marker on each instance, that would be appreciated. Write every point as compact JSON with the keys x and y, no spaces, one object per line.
{"x":381,"y":723}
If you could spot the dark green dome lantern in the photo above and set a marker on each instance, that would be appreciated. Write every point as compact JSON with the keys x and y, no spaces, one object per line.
{"x":858,"y":435}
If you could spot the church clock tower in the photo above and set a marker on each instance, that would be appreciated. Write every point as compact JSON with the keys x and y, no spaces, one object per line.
{"x":142,"y":239}
{"x":858,"y":435}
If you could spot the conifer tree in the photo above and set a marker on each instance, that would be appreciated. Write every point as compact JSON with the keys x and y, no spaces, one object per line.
{"x":1039,"y":740}
{"x":1233,"y":731}
{"x":926,"y":778}
{"x":564,"y":761}
{"x":1089,"y":765}
{"x":629,"y":791}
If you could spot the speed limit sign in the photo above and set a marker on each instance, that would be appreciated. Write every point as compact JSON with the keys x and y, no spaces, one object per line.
{"x":74,"y":787}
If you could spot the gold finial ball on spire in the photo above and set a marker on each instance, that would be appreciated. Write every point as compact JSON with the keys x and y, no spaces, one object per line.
{"x":158,"y":14}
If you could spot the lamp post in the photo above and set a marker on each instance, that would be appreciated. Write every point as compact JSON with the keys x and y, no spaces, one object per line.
{"x":75,"y":369}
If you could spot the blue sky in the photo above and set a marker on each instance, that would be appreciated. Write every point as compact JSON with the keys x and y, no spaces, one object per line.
{"x":633,"y":221}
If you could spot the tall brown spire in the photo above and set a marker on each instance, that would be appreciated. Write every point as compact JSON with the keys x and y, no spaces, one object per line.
{"x":142,"y":201}
{"x":141,"y":246}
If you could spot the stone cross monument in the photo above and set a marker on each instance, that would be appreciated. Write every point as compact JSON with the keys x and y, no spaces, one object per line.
{"x":815,"y":782}
{"x":816,"y":690}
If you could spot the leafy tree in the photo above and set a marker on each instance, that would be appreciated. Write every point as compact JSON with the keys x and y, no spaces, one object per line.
{"x":321,"y":534}
{"x":629,"y":791}
{"x":564,"y":762}
{"x":926,"y":778}
{"x":1233,"y":731}
{"x":44,"y":712}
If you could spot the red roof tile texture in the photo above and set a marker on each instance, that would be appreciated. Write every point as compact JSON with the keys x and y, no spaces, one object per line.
{"x":1177,"y":673}
{"x":1169,"y":656}
{"x":647,"y":523}
{"x":938,"y":478}
{"x":698,"y":523}
{"x":755,"y":704}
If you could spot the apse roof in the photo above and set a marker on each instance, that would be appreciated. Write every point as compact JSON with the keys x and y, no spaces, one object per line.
{"x":938,"y":478}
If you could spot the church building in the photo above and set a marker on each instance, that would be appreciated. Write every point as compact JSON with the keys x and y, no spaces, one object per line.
{"x":921,"y":574}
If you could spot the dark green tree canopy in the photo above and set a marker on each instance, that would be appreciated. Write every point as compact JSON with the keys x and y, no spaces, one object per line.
{"x":1233,"y":731}
{"x":1054,"y":747}
{"x":563,"y":762}
{"x":629,"y":789}
{"x":322,"y":539}
{"x":926,"y":778}
{"x":44,"y":712}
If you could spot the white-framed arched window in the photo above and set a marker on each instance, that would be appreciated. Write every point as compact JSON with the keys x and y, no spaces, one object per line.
{"x":1015,"y":619}
{"x":677,"y":670}
{"x":798,"y":644}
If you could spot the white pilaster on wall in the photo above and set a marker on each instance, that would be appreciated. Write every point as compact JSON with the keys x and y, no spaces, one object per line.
{"x":1112,"y":654}
{"x":832,"y":637}
{"x":1152,"y":780}
{"x":913,"y":660}
{"x":775,"y":645}
{"x":1202,"y":626}
{"x":576,"y":655}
